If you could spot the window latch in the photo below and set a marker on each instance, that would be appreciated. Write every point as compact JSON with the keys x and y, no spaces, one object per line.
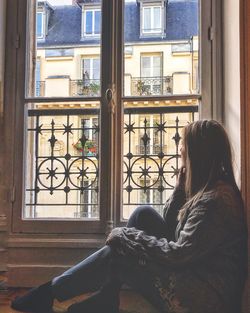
{"x":13,"y":194}
{"x":17,"y":41}
{"x":211,"y":33}
{"x":110,"y":99}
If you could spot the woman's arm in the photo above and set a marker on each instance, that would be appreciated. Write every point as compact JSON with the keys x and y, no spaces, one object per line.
{"x":171,"y":211}
{"x":202,"y":234}
{"x":174,"y":204}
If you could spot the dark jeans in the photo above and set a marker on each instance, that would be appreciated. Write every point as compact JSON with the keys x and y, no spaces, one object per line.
{"x":95,"y":271}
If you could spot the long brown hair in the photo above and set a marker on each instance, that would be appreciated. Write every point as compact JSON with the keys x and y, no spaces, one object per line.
{"x":208,"y":158}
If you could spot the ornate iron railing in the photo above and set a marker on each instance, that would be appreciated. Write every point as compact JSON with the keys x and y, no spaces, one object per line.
{"x":150,"y":86}
{"x":40,"y":88}
{"x":63,"y":158}
{"x":150,"y":149}
{"x":150,"y":169}
{"x":56,"y":175}
{"x":85,"y":87}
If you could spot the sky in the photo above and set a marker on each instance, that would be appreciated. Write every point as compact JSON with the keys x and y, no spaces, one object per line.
{"x":65,"y":2}
{"x":60,"y":2}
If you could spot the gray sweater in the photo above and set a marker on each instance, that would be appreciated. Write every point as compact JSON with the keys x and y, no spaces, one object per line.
{"x":203,"y":267}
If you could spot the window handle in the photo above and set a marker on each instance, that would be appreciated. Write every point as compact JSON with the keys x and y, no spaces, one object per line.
{"x":109,"y":95}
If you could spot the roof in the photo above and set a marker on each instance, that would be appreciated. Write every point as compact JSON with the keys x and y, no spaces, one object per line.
{"x":64,"y":27}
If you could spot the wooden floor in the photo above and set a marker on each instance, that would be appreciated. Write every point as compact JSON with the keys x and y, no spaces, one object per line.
{"x":129,"y":301}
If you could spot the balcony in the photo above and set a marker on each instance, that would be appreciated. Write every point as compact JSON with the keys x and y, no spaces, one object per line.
{"x":87,"y":87}
{"x":152,"y":86}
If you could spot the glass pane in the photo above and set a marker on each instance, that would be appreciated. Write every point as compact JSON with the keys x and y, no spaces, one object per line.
{"x":156,"y":66}
{"x":66,"y":33}
{"x":152,"y":133}
{"x":97,"y":22}
{"x":146,"y":66}
{"x":147,"y":19}
{"x":177,"y":70}
{"x":89,"y":22}
{"x":39,"y":25}
{"x":157,"y":19}
{"x":62,"y":153}
{"x":96,"y":68}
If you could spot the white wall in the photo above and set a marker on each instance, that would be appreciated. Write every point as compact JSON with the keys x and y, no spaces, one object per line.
{"x":231,"y":48}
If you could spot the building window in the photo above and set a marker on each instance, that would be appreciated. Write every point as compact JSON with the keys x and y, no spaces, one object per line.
{"x":152,"y":20}
{"x":88,"y":199}
{"x":92,"y":22}
{"x":91,"y":69}
{"x":151,"y":75}
{"x":40,"y":25}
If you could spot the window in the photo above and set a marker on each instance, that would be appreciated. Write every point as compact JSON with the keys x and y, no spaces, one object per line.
{"x":66,"y":196}
{"x":149,"y":127}
{"x":151,"y":75}
{"x":91,"y":69}
{"x":150,"y":194}
{"x":92,"y":22}
{"x":89,"y":83}
{"x":85,"y":151}
{"x":40,"y":25}
{"x":152,"y":20}
{"x":88,"y":208}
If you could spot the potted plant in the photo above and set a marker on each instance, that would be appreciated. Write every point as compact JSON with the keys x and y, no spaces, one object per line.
{"x":89,"y":147}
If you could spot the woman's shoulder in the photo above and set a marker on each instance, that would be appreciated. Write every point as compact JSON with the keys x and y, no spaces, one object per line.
{"x":223,"y":191}
{"x":224,"y":198}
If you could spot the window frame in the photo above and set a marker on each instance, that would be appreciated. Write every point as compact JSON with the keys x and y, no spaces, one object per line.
{"x":151,"y":30}
{"x":14,"y":113}
{"x":91,"y":58}
{"x":150,"y":4}
{"x":42,"y":25}
{"x":93,"y":9}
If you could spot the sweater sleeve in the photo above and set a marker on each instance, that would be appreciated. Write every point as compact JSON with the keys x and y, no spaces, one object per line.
{"x":202,"y":234}
{"x":171,"y":210}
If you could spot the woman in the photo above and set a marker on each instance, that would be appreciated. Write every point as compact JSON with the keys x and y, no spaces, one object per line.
{"x":191,"y":260}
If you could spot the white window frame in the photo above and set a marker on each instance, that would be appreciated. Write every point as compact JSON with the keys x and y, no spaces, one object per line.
{"x":151,"y":30}
{"x":151,"y":56}
{"x":91,"y":58}
{"x":43,"y":26}
{"x":84,"y":20}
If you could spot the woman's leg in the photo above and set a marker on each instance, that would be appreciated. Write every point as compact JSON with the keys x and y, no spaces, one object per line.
{"x":88,"y":275}
{"x":149,"y":220}
{"x":94,"y":271}
{"x":143,"y":218}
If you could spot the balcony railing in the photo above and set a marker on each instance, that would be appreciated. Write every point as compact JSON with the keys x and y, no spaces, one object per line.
{"x":151,"y":86}
{"x":151,"y":149}
{"x":40,"y":88}
{"x":87,"y":87}
{"x":148,"y":166}
{"x":57,"y":176}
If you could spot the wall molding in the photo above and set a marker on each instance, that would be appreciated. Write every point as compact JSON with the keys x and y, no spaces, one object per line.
{"x":32,"y":275}
{"x":27,"y":242}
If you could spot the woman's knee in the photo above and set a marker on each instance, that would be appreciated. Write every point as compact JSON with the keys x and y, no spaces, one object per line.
{"x":139,"y":214}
